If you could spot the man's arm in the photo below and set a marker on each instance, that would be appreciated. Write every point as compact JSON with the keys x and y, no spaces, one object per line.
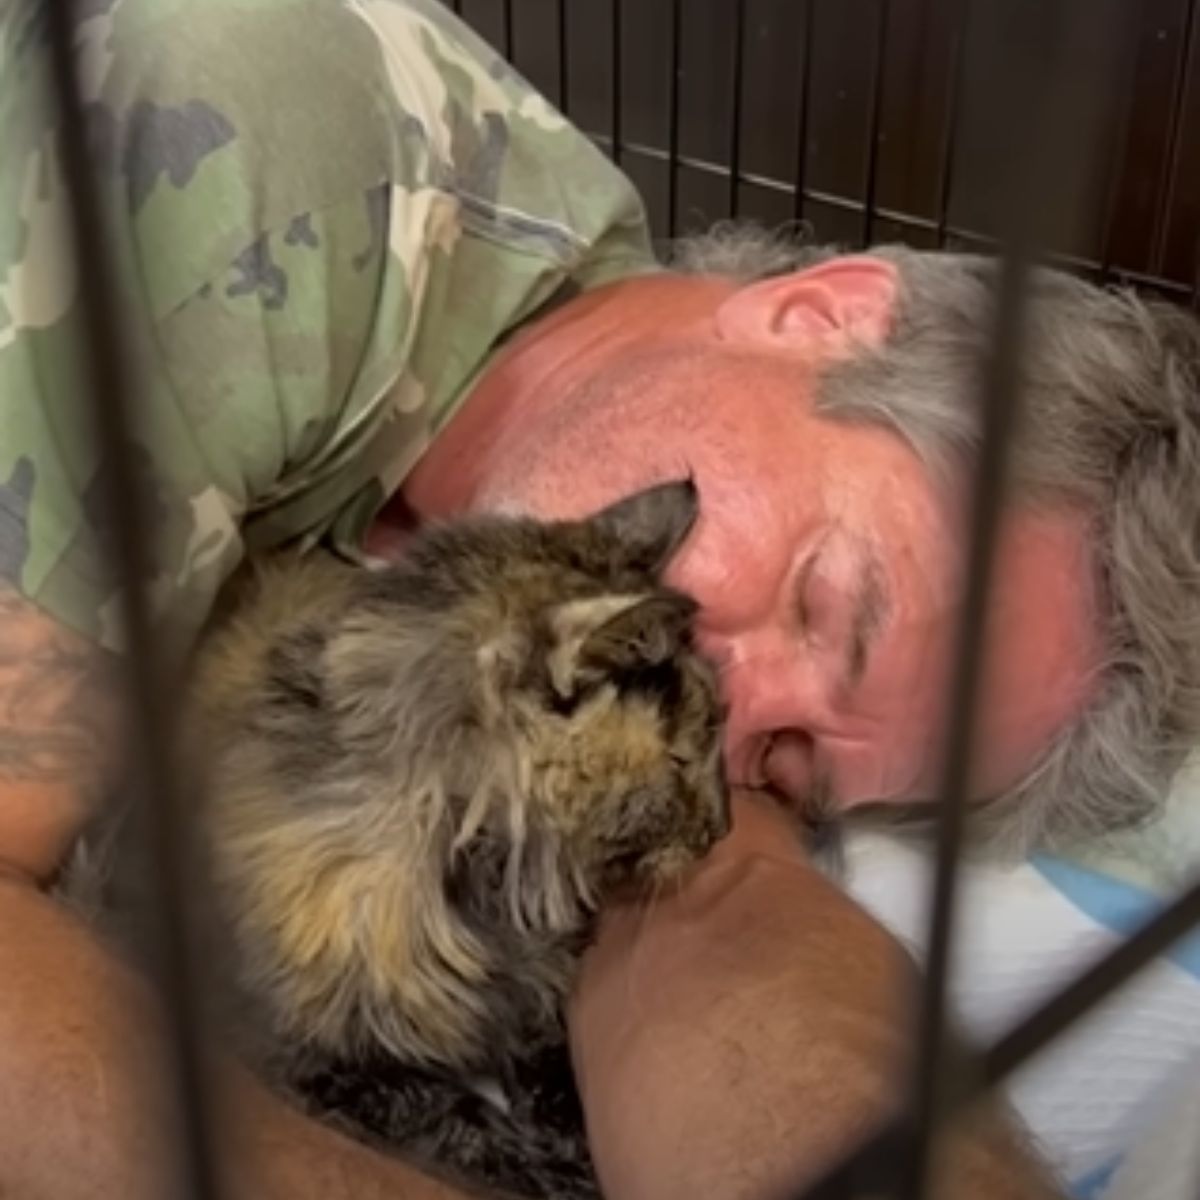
{"x":81,"y":1109}
{"x":55,"y":710}
{"x":733,"y":1039}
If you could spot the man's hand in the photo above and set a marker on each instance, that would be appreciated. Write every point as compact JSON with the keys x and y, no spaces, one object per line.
{"x":734,"y":1038}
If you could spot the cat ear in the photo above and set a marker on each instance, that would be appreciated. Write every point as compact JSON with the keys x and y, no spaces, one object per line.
{"x":610,"y":634}
{"x":651,"y":524}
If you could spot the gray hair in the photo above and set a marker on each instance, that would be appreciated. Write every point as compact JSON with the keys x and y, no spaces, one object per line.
{"x":1111,"y":395}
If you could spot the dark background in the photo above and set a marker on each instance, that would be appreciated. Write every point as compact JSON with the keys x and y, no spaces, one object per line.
{"x":873,"y":119}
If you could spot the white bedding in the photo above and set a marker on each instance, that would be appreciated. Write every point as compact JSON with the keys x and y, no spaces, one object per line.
{"x":1104,"y":1099}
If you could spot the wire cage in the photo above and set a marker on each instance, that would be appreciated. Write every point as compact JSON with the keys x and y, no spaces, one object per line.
{"x":869,"y":120}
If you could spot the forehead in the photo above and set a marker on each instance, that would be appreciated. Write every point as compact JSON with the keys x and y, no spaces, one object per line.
{"x":742,"y":423}
{"x":769,"y":488}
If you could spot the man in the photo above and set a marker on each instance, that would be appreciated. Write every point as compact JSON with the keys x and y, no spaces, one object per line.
{"x":362,"y":260}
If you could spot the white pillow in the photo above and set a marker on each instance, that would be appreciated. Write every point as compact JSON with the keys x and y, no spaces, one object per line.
{"x":1022,"y":933}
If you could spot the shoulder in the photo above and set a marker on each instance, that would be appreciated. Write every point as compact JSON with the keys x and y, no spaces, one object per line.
{"x":218,"y":122}
{"x":522,"y":176}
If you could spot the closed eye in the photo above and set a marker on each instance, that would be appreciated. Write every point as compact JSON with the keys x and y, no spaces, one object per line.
{"x":802,"y":602}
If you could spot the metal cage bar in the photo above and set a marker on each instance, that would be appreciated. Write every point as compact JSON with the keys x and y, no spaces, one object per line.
{"x":1162,"y":217}
{"x":799,"y":193}
{"x":871,"y":166}
{"x":1112,"y":191}
{"x":942,"y":233}
{"x":615,"y":110}
{"x":564,"y":55}
{"x":159,"y":803}
{"x":1001,"y":397}
{"x":509,"y":32}
{"x":949,"y":142}
{"x":735,"y":99}
{"x":1029,"y":215}
{"x":673,"y":89}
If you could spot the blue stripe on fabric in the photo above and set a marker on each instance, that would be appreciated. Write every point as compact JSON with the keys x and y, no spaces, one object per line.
{"x":1092,"y":1185}
{"x":1119,"y":906}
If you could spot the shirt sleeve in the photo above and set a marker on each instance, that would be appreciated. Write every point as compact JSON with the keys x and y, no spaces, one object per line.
{"x":241,"y":151}
{"x":324,"y":216}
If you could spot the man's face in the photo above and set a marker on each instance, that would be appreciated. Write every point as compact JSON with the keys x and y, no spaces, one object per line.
{"x":829,"y":571}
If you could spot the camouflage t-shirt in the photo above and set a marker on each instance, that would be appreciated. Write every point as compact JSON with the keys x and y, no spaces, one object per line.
{"x":324,"y":215}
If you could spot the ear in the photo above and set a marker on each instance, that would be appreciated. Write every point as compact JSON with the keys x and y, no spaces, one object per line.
{"x":821,"y":313}
{"x":612,"y":634}
{"x":651,"y":524}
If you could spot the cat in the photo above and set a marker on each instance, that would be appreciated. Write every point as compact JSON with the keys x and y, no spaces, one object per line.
{"x":421,"y":783}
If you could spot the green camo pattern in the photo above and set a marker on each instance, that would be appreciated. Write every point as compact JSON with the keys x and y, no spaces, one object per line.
{"x":325,"y":214}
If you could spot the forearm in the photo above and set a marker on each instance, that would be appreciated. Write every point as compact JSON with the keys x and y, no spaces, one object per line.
{"x":82,"y":1108}
{"x":763,"y":1028}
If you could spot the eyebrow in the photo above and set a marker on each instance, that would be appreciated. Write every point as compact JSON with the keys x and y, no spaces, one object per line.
{"x":871,"y":606}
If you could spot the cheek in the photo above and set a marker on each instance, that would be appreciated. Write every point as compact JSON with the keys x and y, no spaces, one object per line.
{"x":915,"y":689}
{"x":901,"y":705}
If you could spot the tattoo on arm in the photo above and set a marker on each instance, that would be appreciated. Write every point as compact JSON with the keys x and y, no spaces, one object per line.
{"x":56,"y":705}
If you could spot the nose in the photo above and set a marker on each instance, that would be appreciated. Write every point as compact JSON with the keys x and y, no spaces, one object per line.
{"x":789,"y":764}
{"x":774,"y":702}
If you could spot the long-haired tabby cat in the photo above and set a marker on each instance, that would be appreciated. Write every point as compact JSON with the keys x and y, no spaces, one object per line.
{"x":422,"y":781}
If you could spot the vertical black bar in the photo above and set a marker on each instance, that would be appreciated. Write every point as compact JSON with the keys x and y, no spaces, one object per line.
{"x":144,"y":664}
{"x":1000,"y":401}
{"x":1162,"y":216}
{"x":1037,"y":156}
{"x":872,"y":164}
{"x":673,"y":118}
{"x":735,"y":116}
{"x":1112,"y":193}
{"x":509,"y":41}
{"x":802,"y":123}
{"x":564,"y":77}
{"x":616,"y":81}
{"x":950,"y":133}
